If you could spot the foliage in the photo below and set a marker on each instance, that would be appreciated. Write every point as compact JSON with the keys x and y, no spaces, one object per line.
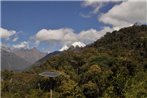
{"x":114,"y":66}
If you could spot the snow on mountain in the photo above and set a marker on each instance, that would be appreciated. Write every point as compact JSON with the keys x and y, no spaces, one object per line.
{"x":65,"y":47}
{"x":78,"y":44}
{"x":75,"y":44}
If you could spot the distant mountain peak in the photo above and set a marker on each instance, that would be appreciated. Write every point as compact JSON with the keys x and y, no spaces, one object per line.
{"x":65,"y":47}
{"x":30,"y":55}
{"x":74,"y":45}
{"x":35,"y":49}
{"x":78,"y":44}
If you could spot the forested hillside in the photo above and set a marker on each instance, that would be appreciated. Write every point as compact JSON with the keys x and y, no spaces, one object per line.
{"x":114,"y":66}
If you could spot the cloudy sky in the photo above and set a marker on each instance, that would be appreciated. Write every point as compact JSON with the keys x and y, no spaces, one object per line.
{"x":48,"y":25}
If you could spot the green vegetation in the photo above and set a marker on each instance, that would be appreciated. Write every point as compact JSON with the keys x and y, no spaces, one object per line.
{"x":113,"y":67}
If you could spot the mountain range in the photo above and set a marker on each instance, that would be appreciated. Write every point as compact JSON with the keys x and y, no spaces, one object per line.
{"x":10,"y":61}
{"x":30,"y":55}
{"x":74,"y":46}
{"x":114,"y":66}
{"x":19,"y":59}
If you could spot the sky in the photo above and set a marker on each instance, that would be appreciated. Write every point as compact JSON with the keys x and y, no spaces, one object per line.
{"x":48,"y":25}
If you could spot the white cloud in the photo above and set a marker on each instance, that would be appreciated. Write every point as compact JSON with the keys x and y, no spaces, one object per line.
{"x":96,"y":10}
{"x":33,"y":42}
{"x":90,"y":3}
{"x":68,"y":36}
{"x":62,"y":35}
{"x":95,"y":4}
{"x":37,"y":42}
{"x":15,"y":39}
{"x":91,"y":35}
{"x":84,"y":15}
{"x":125,"y":14}
{"x":23,"y":44}
{"x":5,"y":34}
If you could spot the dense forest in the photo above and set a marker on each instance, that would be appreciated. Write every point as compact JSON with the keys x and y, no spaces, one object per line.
{"x":114,"y":66}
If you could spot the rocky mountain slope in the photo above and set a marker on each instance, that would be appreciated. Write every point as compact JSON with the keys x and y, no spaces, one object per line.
{"x":30,"y":55}
{"x":10,"y":61}
{"x":74,"y":46}
{"x":19,"y":59}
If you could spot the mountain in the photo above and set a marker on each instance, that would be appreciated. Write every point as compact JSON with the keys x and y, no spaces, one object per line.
{"x":65,"y":47}
{"x":19,"y":59}
{"x":10,"y":61}
{"x":73,"y":46}
{"x":116,"y":63}
{"x":78,"y":44}
{"x":45,"y":58}
{"x":114,"y":66}
{"x":30,"y":55}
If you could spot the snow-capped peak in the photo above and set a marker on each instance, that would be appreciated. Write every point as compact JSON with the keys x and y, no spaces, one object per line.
{"x":78,"y":44}
{"x":75,"y":44}
{"x":65,"y":47}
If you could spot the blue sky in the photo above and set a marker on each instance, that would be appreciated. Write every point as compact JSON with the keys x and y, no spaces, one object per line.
{"x":29,"y":17}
